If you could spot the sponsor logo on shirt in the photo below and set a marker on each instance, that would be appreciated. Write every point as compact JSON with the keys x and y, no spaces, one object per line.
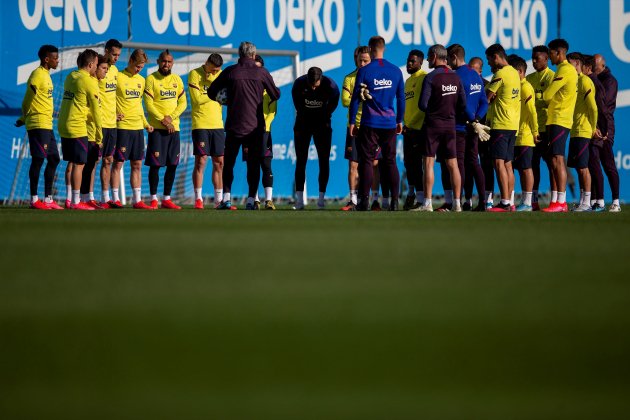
{"x":382,"y":84}
{"x":515,"y":93}
{"x":449,"y":90}
{"x":168,"y":94}
{"x":110,"y":86}
{"x":313,"y":103}
{"x":132,"y":93}
{"x":475,"y":88}
{"x":409,"y":95}
{"x":68,"y":95}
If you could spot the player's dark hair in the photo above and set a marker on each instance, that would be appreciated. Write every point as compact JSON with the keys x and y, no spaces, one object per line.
{"x":44,"y":50}
{"x":456,"y":50}
{"x":417,"y":53}
{"x":164,"y":53}
{"x":540,"y":49}
{"x":260,"y":60}
{"x":438,"y":51}
{"x":588,"y":60}
{"x":472,"y":60}
{"x":313,"y":75}
{"x":496,"y":49}
{"x":104,"y":59}
{"x":86,"y":57}
{"x":517,"y":62}
{"x":576,"y":56}
{"x":558,"y":44}
{"x":215,"y":59}
{"x":113,"y":43}
{"x":376,"y":43}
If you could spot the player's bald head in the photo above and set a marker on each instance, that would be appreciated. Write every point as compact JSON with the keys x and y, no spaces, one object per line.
{"x":599,"y":63}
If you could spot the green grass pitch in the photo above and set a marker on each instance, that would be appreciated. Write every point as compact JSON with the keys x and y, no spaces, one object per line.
{"x":313,"y":315}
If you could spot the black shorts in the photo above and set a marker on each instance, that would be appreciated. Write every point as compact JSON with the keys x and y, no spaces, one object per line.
{"x":94,"y":152}
{"x":442,"y":139}
{"x":351,"y":153}
{"x":502,"y":144}
{"x":540,"y":150}
{"x":557,"y":137}
{"x":578,"y":152}
{"x":42,"y":143}
{"x":208,"y":142}
{"x":412,"y":146}
{"x":109,"y":142}
{"x":75,"y":150}
{"x":266,"y":147}
{"x":163,"y":149}
{"x":129,"y":145}
{"x":523,"y":157}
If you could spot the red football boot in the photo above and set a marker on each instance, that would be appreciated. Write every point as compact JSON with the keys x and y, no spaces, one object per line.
{"x":554,"y":207}
{"x":154,"y":204}
{"x":39,"y":205}
{"x":82,"y":206}
{"x":54,"y":206}
{"x":67,"y":204}
{"x":115,"y":204}
{"x":95,"y":205}
{"x":168,"y":204}
{"x":199,"y":204}
{"x":141,"y":206}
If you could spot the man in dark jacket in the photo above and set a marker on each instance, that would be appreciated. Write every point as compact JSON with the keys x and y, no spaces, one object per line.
{"x":241,"y":88}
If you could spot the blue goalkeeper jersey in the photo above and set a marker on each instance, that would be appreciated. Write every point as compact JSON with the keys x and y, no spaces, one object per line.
{"x":386,"y":85}
{"x":476,"y":100}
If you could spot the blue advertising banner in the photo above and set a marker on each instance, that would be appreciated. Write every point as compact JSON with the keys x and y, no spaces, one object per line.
{"x":323,"y":32}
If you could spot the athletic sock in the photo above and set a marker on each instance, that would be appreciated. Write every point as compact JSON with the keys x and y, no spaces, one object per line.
{"x":68,"y":192}
{"x":554,"y":196}
{"x":593,"y":202}
{"x":427,"y":202}
{"x":227,"y":196}
{"x":420,"y":196}
{"x":587,"y":198}
{"x":527,"y":198}
{"x":353,"y":196}
{"x":457,"y":203}
{"x":167,"y":198}
{"x":34,"y":198}
{"x":581,"y":197}
{"x":535,"y":196}
{"x":469,"y":201}
{"x":299,"y":198}
{"x":153,"y":197}
{"x":48,"y":199}
{"x":105,"y":196}
{"x":322,"y":195}
{"x":616,"y":202}
{"x":448,"y":196}
{"x":218,"y":196}
{"x":115,"y":194}
{"x":137,"y":196}
{"x":198,"y":194}
{"x":600,"y":202}
{"x":91,"y":194}
{"x":488,"y":196}
{"x":76,"y":196}
{"x":505,"y":202}
{"x":256,"y":198}
{"x":512,"y":199}
{"x":268,"y":193}
{"x":562,"y":197}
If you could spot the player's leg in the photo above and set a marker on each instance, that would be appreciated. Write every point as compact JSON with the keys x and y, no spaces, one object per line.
{"x":253,"y":143}
{"x":557,"y":150}
{"x":154,"y":160}
{"x":171,"y":147}
{"x":610,"y":169}
{"x":499,"y":144}
{"x":352,"y":155}
{"x":38,"y":154}
{"x":597,"y":177}
{"x":52,"y":161}
{"x":201,"y":145}
{"x":409,"y":163}
{"x":367,"y":145}
{"x":487,"y":166}
{"x":267,"y":173}
{"x":445,"y":177}
{"x":389,"y":168}
{"x":454,"y":149}
{"x":377,"y":180}
{"x":78,"y":156}
{"x":232,"y":147}
{"x":323,"y":143}
{"x":474,"y":172}
{"x":109,"y":146}
{"x":302,"y":142}
{"x":136,"y":155}
{"x":87,"y":179}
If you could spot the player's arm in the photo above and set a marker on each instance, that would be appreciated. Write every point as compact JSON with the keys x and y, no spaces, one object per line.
{"x":346,"y":92}
{"x":218,"y":84}
{"x":559,"y":80}
{"x":31,"y":91}
{"x":591,"y":107}
{"x":333,"y":100}
{"x":295,"y":95}
{"x":353,"y":108}
{"x":182,"y":102}
{"x":270,"y":86}
{"x":400,"y":103}
{"x":149,"y":101}
{"x":530,"y":103}
{"x":92,"y":92}
{"x":493,"y":87}
{"x":462,"y":106}
{"x":482,"y":105}
{"x":423,"y":102}
{"x":197,"y":97}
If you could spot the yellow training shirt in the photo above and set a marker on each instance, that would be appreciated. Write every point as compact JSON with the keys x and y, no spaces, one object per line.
{"x":561,"y":96}
{"x":269,"y":110}
{"x":504,"y":112}
{"x":206,"y":113}
{"x":80,"y":98}
{"x":91,"y":123}
{"x":414,"y":118}
{"x":540,"y":80}
{"x":129,"y":101}
{"x":164,"y":95}
{"x":107,"y":87}
{"x":37,"y":106}
{"x":346,"y":96}
{"x":585,"y":114}
{"x":528,"y":127}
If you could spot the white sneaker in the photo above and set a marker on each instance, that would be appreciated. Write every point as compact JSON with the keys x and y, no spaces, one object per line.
{"x":614,"y":208}
{"x":582,"y":207}
{"x":321,"y":204}
{"x":423,"y":208}
{"x":457,"y":208}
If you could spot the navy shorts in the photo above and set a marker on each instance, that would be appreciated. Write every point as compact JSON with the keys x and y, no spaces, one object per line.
{"x":42,"y":143}
{"x":502,"y":144}
{"x":94,"y":152}
{"x":163,"y":148}
{"x":540,"y":151}
{"x":442,"y":139}
{"x":75,"y":150}
{"x":523,"y":156}
{"x":351,"y":152}
{"x":557,"y":137}
{"x":266,"y":147}
{"x":109,"y":142}
{"x":208,"y":142}
{"x":129,"y":145}
{"x":578,"y":152}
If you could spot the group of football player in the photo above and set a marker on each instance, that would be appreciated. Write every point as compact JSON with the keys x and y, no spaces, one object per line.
{"x":473,"y":128}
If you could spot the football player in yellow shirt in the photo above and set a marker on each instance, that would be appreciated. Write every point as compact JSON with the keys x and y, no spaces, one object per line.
{"x":560,"y":97}
{"x":413,"y":120}
{"x":584,"y":127}
{"x":131,"y":121}
{"x":361,"y":58}
{"x":80,"y":100}
{"x":95,"y":148}
{"x":208,"y":135}
{"x":107,"y":96}
{"x":527,"y":135}
{"x":37,"y":114}
{"x":540,"y":80}
{"x":165,"y":99}
{"x":504,"y":113}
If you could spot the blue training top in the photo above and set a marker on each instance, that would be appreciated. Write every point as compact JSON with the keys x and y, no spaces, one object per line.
{"x":385,"y":83}
{"x":476,"y":100}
